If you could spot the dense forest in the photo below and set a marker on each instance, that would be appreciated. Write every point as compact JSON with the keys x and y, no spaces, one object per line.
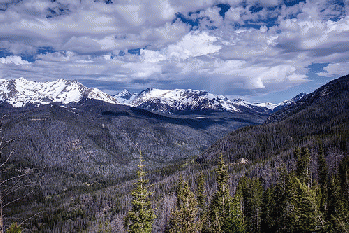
{"x":290,"y":174}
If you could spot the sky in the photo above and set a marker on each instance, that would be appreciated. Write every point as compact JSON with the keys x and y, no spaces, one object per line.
{"x":260,"y":51}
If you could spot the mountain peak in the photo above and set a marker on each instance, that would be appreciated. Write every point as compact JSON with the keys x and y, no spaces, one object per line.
{"x":20,"y":92}
{"x":182,"y":100}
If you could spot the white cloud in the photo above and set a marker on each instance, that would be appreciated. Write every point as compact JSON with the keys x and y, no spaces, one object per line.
{"x":90,"y":35}
{"x":193,"y":45}
{"x":335,"y":69}
{"x":17,"y":60}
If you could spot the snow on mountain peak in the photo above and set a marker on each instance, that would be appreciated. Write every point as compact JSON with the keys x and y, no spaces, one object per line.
{"x":20,"y":91}
{"x":169,"y":101}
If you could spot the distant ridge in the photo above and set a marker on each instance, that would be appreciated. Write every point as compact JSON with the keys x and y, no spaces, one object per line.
{"x":182,"y":100}
{"x":20,"y":92}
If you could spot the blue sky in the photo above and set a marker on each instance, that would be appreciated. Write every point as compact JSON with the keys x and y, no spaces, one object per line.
{"x":267,"y":50}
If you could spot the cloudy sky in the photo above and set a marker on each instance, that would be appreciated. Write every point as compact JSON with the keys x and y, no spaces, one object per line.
{"x":260,"y":50}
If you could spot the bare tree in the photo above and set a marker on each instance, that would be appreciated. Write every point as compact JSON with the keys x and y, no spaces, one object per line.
{"x":9,"y":185}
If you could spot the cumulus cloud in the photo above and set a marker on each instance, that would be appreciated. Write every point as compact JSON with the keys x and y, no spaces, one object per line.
{"x":17,"y":60}
{"x":255,"y":46}
{"x":335,"y":69}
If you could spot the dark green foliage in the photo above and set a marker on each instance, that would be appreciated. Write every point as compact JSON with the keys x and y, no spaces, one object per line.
{"x":323,"y":180}
{"x":14,"y":228}
{"x":337,"y":202}
{"x":291,"y":206}
{"x":201,"y":197}
{"x":343,"y":173}
{"x":140,"y":218}
{"x":219,"y":207}
{"x":185,"y":217}
{"x":235,"y":219}
{"x":306,"y":212}
{"x":251,"y":191}
{"x":270,"y":214}
{"x":322,"y":170}
{"x":225,"y":212}
{"x":302,"y":170}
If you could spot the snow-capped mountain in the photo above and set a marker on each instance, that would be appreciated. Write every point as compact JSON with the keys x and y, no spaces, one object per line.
{"x":19,"y":92}
{"x":172,"y":101}
{"x":125,"y":97}
{"x":289,"y":102}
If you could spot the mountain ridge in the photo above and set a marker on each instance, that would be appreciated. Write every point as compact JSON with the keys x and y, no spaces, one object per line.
{"x":20,"y":92}
{"x":181,"y":100}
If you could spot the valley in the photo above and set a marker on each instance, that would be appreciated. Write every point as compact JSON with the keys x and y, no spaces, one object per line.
{"x":83,"y":155}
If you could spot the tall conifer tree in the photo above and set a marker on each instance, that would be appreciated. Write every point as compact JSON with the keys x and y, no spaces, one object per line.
{"x":302,"y":170}
{"x":323,"y":180}
{"x":141,"y":216}
{"x":225,"y":213}
{"x":185,"y":218}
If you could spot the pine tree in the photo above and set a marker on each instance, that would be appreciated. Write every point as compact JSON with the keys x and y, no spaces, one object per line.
{"x":323,"y":180}
{"x":337,"y":210}
{"x":235,"y":219}
{"x":269,"y":214}
{"x":308,"y":217}
{"x":334,"y":203}
{"x":220,"y":202}
{"x":322,"y":170}
{"x":277,"y":206}
{"x":251,"y":191}
{"x":201,"y":191}
{"x":185,"y":216}
{"x":225,"y":213}
{"x":141,"y":216}
{"x":302,"y":170}
{"x":343,"y":173}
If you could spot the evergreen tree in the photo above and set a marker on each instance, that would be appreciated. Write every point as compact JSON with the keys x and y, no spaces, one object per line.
{"x":308,"y":217}
{"x":323,"y":180}
{"x":225,"y":213}
{"x":235,"y":219}
{"x":337,"y":213}
{"x":277,"y":205}
{"x":201,"y":197}
{"x":343,"y":173}
{"x":302,"y":170}
{"x":251,"y":191}
{"x":269,"y":214}
{"x":322,"y":170}
{"x":185,"y":216}
{"x":220,"y":202}
{"x":297,"y":153}
{"x":140,"y":218}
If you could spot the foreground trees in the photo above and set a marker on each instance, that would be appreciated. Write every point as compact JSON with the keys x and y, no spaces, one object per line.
{"x":140,"y":218}
{"x":185,"y":215}
{"x":296,"y":203}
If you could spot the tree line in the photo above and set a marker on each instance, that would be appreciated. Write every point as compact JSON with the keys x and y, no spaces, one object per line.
{"x":297,"y":202}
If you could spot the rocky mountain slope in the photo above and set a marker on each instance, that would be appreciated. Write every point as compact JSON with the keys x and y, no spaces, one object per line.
{"x":323,"y":113}
{"x":179,"y":101}
{"x":20,"y":92}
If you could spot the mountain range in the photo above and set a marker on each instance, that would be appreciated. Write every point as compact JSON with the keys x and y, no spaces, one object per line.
{"x":20,"y":92}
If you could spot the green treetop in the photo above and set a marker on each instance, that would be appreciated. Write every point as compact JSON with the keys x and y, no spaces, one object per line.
{"x":185,"y":217}
{"x":140,"y":218}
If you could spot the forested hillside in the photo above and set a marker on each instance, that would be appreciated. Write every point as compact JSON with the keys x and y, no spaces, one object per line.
{"x":289,"y":174}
